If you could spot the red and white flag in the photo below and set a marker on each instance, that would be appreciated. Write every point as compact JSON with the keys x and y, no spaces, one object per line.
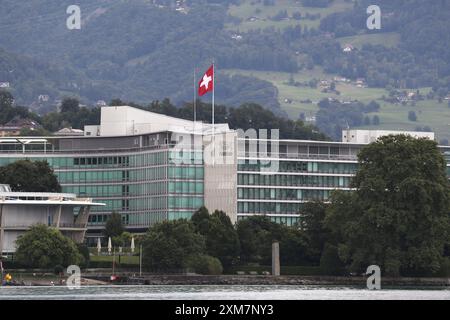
{"x":206,"y":84}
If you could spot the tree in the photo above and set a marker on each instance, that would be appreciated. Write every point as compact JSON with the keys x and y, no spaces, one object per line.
{"x":70,"y":105}
{"x":45,"y":247}
{"x":114,"y":226}
{"x":222,"y":240}
{"x":204,"y":264}
{"x":398,"y":217}
{"x":29,"y":176}
{"x":6,"y":100}
{"x":312,"y":223}
{"x":168,"y":245}
{"x":122,"y":240}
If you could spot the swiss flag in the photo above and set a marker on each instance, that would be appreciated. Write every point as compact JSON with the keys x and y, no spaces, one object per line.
{"x":206,"y":84}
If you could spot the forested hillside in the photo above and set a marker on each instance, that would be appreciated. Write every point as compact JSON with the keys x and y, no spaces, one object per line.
{"x":284,"y":55}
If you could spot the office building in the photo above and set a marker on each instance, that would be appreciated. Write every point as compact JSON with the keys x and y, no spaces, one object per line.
{"x":150,"y":167}
{"x":21,"y":210}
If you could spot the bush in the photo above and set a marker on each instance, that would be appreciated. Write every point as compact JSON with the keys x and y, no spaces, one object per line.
{"x":59,"y":269}
{"x":204,"y":264}
{"x":44,"y":247}
{"x":444,"y":271}
{"x":84,"y":251}
{"x":330,"y":264}
{"x":285,"y":270}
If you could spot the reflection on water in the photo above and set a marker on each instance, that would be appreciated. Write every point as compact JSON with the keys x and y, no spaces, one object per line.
{"x":221,"y":293}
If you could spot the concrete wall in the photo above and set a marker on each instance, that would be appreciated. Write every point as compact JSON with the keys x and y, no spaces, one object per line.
{"x":221,"y":175}
{"x":17,"y":218}
{"x":124,"y":120}
{"x":369,"y":136}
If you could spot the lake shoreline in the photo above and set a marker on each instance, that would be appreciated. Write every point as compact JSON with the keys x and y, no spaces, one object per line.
{"x":103,"y":277}
{"x":359,"y":281}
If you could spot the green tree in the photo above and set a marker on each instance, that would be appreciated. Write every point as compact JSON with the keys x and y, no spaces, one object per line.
{"x":45,"y":247}
{"x":222,"y":240}
{"x":168,"y":245}
{"x":70,"y":105}
{"x":312,"y":224}
{"x":30,"y":176}
{"x":256,"y":234}
{"x":6,"y":100}
{"x":398,"y":217}
{"x":40,"y":132}
{"x":122,"y":240}
{"x":114,"y":226}
{"x":204,"y":264}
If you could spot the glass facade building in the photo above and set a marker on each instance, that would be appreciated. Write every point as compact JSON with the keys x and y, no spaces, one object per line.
{"x":141,"y":175}
{"x":147,"y":184}
{"x":305,"y":171}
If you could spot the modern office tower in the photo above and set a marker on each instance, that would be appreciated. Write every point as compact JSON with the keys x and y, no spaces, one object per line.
{"x":146,"y":166}
{"x":149,"y":167}
{"x":20,"y":210}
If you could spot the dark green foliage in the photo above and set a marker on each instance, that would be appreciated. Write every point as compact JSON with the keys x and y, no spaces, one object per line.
{"x":257,"y":233}
{"x":70,"y":105}
{"x":330,"y":263}
{"x":312,"y":223}
{"x":114,"y":226}
{"x":134,"y":50}
{"x":45,"y":247}
{"x":168,"y":245}
{"x":204,"y":264}
{"x":249,"y":115}
{"x":398,"y":218}
{"x":72,"y":116}
{"x":422,"y":58}
{"x":30,"y":176}
{"x":84,"y":251}
{"x":8,"y":111}
{"x":334,"y":116}
{"x":221,"y":237}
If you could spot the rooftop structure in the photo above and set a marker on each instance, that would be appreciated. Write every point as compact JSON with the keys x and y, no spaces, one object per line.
{"x":21,"y":210}
{"x":368,"y":136}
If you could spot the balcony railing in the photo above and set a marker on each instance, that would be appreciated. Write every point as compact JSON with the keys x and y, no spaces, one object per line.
{"x":297,"y":156}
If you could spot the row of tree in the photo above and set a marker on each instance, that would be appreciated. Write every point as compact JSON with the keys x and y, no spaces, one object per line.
{"x":248,"y":115}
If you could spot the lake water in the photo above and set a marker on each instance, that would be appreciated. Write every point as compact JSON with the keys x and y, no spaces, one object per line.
{"x":221,"y":293}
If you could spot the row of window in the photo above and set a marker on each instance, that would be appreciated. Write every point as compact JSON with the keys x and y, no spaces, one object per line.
{"x":185,"y":157}
{"x":131,"y":219}
{"x":136,"y":160}
{"x":95,"y":191}
{"x":291,"y":180}
{"x":297,"y":166}
{"x":269,"y":207}
{"x":174,"y":215}
{"x":283,"y":194}
{"x":289,"y":221}
{"x":186,"y":172}
{"x":186,"y":187}
{"x":176,"y":202}
{"x":156,"y":173}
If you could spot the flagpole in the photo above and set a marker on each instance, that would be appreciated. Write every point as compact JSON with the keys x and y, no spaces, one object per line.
{"x":195,"y":97}
{"x":213,"y":129}
{"x":195,"y":100}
